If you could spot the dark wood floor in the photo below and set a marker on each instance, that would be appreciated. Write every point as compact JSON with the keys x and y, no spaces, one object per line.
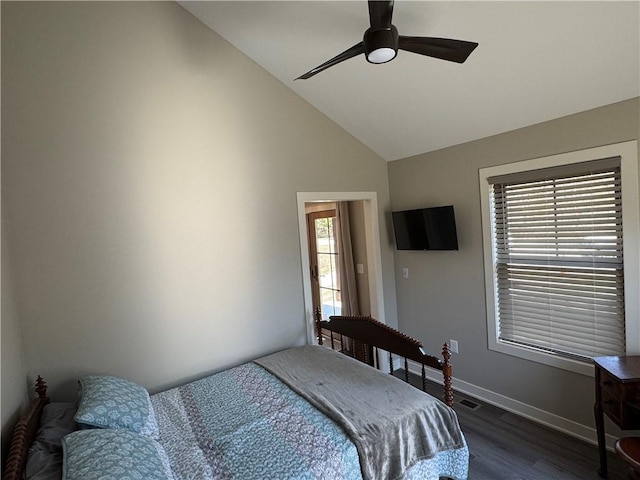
{"x":504,"y":446}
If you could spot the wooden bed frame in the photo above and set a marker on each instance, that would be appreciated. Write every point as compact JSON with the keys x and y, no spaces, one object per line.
{"x":362,"y":337}
{"x":24,"y":433}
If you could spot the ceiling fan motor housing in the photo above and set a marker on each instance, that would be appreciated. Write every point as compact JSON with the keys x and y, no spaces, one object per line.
{"x":381,"y":44}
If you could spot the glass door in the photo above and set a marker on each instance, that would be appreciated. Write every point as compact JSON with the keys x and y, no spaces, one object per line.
{"x":323,"y":250}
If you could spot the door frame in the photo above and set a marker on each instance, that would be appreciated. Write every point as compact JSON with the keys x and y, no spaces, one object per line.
{"x":374,"y":256}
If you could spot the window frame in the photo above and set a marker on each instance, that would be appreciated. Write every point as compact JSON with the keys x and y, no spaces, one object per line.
{"x":628,"y":153}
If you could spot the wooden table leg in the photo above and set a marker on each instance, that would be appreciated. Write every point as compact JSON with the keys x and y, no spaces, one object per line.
{"x":602,"y":446}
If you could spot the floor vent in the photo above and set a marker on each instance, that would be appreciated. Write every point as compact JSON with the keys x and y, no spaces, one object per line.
{"x":469,"y":404}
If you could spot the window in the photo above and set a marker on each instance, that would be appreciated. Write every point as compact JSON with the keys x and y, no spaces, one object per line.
{"x":558,"y":259}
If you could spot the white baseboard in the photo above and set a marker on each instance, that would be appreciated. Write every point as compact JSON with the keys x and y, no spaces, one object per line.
{"x":551,"y":420}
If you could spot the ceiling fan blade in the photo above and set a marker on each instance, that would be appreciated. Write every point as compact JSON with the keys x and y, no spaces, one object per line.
{"x":357,"y":49}
{"x":443,"y":48}
{"x":380,"y":13}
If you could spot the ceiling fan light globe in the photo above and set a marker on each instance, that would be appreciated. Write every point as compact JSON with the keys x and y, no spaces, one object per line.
{"x":381,"y":55}
{"x":380,"y":44}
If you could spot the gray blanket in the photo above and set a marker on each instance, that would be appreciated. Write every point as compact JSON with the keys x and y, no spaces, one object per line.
{"x":392,"y":424}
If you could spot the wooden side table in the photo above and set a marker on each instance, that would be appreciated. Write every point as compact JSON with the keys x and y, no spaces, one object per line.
{"x":618,"y":395}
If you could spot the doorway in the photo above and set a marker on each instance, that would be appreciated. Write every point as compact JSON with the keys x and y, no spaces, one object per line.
{"x":373,"y":269}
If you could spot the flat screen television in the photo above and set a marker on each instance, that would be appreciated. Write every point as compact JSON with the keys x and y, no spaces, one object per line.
{"x":426,"y":229}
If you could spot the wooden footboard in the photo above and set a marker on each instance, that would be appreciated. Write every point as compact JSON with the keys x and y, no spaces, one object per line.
{"x":363,"y":337}
{"x":24,"y":433}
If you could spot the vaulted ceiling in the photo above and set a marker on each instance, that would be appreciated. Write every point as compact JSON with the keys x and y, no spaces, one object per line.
{"x":535,"y":61}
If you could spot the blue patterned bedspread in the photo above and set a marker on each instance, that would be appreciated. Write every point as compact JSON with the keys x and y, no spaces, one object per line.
{"x":245,"y":424}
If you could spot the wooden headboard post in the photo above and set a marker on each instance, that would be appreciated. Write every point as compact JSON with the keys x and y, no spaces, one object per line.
{"x":24,"y":432}
{"x":446,"y":373}
{"x":317,"y":319}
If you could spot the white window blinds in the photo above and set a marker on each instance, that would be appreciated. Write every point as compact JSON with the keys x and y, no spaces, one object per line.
{"x":558,"y":259}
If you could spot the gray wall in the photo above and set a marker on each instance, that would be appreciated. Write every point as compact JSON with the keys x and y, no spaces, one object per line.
{"x":13,"y":371}
{"x":150,"y":173}
{"x":444,"y":297}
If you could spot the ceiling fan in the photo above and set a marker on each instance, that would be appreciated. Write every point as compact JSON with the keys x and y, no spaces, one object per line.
{"x":381,"y":43}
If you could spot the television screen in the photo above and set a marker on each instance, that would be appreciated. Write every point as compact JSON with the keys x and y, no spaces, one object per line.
{"x":426,"y":229}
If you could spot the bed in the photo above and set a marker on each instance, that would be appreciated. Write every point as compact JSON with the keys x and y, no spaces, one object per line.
{"x":305,"y":412}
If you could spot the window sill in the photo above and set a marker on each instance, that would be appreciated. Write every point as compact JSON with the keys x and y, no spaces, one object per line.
{"x":544,"y":358}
